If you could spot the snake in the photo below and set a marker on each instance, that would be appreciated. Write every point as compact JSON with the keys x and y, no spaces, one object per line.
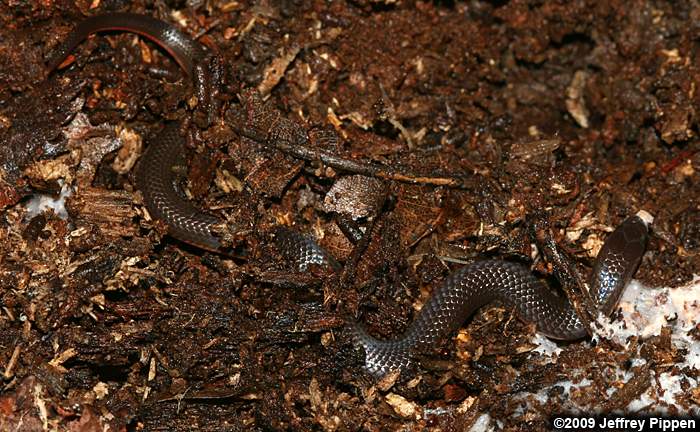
{"x":156,"y":174}
{"x":460,"y":295}
{"x":513,"y":284}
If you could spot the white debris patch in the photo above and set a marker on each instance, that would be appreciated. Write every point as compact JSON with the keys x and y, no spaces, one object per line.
{"x":39,"y":203}
{"x":545,"y":346}
{"x":482,"y":424}
{"x":567,"y":392}
{"x":567,"y":388}
{"x":646,"y":311}
{"x":660,"y":398}
{"x":693,"y":356}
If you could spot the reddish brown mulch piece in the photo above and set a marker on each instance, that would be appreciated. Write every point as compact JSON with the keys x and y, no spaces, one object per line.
{"x":458,"y":121}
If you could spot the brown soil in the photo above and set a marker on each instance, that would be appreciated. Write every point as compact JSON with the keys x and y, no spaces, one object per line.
{"x":576,"y":113}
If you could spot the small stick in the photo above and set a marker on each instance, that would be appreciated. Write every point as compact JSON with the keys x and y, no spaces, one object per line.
{"x":571,"y":280}
{"x":11,"y":364}
{"x":365,"y":168}
{"x":264,"y":124}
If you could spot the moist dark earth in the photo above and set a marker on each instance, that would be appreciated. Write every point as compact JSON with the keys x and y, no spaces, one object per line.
{"x":490,"y":118}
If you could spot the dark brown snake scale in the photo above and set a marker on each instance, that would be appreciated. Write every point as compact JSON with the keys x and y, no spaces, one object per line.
{"x":184,"y":50}
{"x":482,"y":282}
{"x":155,"y":175}
{"x":459,"y":296}
{"x":156,"y":178}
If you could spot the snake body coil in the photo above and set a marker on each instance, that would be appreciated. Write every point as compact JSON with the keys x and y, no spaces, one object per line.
{"x":461,"y":294}
{"x":513,"y":284}
{"x":156,"y":175}
{"x":157,"y":180}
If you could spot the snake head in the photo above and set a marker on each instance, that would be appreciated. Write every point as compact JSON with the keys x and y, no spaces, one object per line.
{"x":618,"y":261}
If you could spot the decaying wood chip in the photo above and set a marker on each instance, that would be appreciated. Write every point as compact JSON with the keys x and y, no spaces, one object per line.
{"x":111,"y":211}
{"x":402,"y":406}
{"x":575,"y":102}
{"x":128,"y":154}
{"x":388,"y":380}
{"x":356,"y":196}
{"x":534,"y":149}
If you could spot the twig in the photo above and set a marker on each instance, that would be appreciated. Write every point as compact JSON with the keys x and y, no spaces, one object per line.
{"x":266,"y":125}
{"x":364,"y":167}
{"x":571,"y":280}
